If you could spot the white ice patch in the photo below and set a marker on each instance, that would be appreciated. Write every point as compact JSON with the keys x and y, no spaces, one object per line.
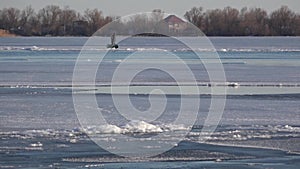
{"x":134,"y":127}
{"x":142,"y":127}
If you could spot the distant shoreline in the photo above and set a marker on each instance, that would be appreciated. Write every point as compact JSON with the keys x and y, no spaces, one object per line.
{"x":52,"y":20}
{"x":6,"y":34}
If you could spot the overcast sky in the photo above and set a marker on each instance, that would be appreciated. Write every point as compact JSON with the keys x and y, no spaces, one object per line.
{"x":126,"y":7}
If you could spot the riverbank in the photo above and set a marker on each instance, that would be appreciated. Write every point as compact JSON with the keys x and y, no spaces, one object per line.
{"x":5,"y":33}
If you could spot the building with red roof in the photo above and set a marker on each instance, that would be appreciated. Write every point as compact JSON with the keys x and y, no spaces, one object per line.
{"x":175,"y":24}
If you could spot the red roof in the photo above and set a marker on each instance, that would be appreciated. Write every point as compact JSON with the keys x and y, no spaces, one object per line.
{"x":173,"y":19}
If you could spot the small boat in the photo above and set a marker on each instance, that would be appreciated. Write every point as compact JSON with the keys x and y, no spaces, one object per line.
{"x":233,"y":84}
{"x":113,"y":42}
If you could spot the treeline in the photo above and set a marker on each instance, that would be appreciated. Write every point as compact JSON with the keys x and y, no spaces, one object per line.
{"x":54,"y":21}
{"x":246,"y":22}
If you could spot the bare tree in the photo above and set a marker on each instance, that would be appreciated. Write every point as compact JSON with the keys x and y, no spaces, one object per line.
{"x":231,"y":21}
{"x":297,"y":25}
{"x":283,"y":21}
{"x":254,"y":22}
{"x":49,"y":18}
{"x":138,"y":24}
{"x":28,"y":21}
{"x":196,"y":17}
{"x":10,"y":18}
{"x":94,"y":18}
{"x":27,"y":14}
{"x":214,"y":22}
{"x":66,"y":19}
{"x":2,"y":25}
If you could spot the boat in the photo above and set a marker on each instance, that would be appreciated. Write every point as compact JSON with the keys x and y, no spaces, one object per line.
{"x":113,"y":42}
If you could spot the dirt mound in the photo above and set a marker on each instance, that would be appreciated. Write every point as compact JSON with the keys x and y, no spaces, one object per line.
{"x":5,"y":33}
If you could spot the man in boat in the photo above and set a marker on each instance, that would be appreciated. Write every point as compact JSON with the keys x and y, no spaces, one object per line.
{"x":113,"y":42}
